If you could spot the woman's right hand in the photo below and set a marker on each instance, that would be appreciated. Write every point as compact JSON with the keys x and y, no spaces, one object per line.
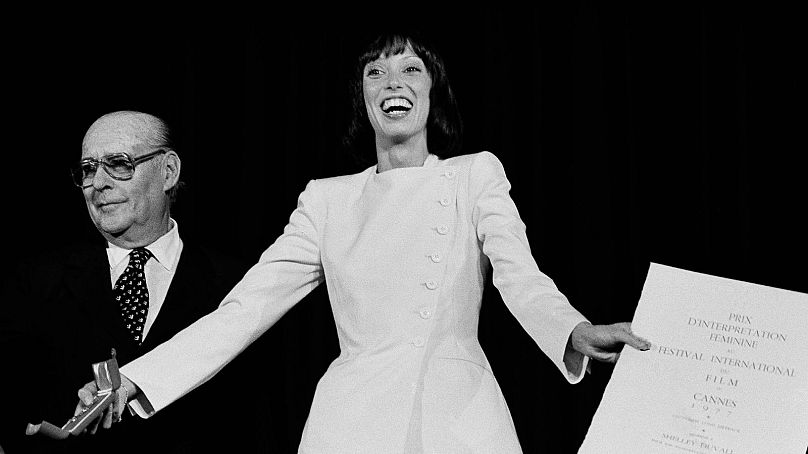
{"x":111,"y":414}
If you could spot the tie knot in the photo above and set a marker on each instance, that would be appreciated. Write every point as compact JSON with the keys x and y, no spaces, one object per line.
{"x":139,"y":255}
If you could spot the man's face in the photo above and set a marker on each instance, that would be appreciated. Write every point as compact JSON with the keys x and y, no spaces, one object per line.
{"x":126,"y":212}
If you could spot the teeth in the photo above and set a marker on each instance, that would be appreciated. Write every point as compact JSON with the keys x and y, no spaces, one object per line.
{"x":397,"y":104}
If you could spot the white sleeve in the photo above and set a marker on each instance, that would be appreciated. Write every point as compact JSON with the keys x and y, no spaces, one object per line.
{"x":531,"y":296}
{"x":286,"y":272}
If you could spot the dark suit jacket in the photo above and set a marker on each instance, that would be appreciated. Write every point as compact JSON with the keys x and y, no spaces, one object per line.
{"x":57,"y":318}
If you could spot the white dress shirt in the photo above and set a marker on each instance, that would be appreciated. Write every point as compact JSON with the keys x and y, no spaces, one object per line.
{"x":160,"y":269}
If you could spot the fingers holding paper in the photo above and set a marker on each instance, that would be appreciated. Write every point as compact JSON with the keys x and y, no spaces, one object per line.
{"x":604,"y":342}
{"x":110,"y":412}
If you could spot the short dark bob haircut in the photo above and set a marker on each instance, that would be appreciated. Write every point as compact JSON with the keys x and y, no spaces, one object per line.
{"x":444,"y":125}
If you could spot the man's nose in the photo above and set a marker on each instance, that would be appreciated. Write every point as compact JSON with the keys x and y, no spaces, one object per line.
{"x":101,"y":179}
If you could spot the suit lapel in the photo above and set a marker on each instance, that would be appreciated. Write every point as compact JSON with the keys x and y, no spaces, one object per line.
{"x":88,"y":281}
{"x":188,"y":298}
{"x":194,"y":292}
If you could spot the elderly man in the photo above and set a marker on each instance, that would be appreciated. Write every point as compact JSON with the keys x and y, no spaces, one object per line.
{"x":69,"y":309}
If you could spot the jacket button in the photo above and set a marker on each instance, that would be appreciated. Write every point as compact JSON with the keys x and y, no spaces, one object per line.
{"x":418,"y":341}
{"x":445,"y":201}
{"x":431,"y":285}
{"x":425,"y":313}
{"x":450,"y":173}
{"x":443,"y":229}
{"x":435,"y":258}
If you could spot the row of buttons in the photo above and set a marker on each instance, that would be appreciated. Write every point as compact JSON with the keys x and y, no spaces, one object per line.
{"x":446,"y":201}
{"x":425,"y":313}
{"x":442,"y":229}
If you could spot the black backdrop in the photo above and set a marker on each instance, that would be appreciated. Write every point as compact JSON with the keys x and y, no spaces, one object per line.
{"x":631,"y":134}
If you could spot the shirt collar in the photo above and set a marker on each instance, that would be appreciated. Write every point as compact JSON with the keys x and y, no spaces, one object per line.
{"x":430,"y":160}
{"x":164,"y":249}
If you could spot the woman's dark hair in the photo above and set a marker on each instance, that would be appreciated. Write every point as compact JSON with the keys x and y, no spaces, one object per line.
{"x":444,"y":125}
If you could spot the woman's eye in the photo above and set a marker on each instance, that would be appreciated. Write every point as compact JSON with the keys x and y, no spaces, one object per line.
{"x":410,"y":69}
{"x":373,"y":72}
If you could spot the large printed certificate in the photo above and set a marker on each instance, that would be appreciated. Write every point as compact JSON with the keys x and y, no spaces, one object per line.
{"x":727,"y":373}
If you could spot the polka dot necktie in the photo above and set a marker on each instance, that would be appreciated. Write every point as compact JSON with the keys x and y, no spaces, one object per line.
{"x":132,"y":295}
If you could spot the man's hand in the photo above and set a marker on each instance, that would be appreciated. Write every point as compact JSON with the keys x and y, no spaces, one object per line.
{"x":604,"y":342}
{"x":114,"y":412}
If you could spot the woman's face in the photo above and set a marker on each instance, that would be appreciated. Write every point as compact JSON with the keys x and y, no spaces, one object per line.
{"x":396,"y":90}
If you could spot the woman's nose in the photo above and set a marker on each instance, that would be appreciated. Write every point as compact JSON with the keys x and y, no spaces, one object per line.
{"x":394,"y":80}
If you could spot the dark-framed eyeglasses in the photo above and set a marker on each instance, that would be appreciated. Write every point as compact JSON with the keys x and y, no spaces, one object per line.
{"x":119,"y":166}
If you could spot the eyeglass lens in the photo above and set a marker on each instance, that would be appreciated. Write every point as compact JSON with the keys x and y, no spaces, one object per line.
{"x":117,"y":166}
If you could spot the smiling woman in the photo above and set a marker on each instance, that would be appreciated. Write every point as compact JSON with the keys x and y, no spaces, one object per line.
{"x":402,"y":78}
{"x":405,"y":248}
{"x":396,"y":89}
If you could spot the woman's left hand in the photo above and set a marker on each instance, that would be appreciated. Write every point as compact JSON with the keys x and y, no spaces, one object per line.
{"x":604,"y":342}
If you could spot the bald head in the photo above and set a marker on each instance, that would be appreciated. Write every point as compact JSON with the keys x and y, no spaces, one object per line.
{"x":128,"y":128}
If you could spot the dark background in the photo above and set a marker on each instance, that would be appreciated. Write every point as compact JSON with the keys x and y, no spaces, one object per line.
{"x":631,"y":134}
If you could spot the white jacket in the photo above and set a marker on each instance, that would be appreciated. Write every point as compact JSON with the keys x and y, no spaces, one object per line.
{"x":404,"y":254}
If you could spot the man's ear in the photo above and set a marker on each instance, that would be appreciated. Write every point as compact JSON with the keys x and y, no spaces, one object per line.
{"x":171,"y":170}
